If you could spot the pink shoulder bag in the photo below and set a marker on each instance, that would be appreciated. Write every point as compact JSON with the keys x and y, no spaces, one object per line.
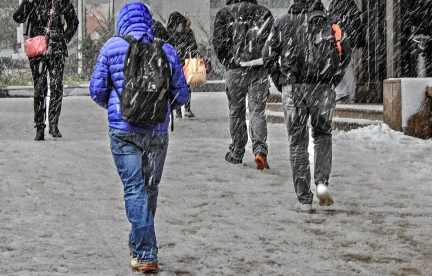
{"x":37,"y":45}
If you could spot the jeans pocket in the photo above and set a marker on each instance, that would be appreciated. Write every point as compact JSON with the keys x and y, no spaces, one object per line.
{"x":122,"y":141}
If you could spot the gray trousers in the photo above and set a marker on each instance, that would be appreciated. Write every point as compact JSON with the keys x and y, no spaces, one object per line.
{"x":301,"y":101}
{"x":253,"y":83}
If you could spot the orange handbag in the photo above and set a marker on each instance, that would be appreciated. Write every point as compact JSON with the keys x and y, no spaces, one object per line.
{"x":37,"y":45}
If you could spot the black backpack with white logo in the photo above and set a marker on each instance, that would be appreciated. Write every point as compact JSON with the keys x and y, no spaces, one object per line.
{"x":147,"y":79}
{"x":318,"y":55}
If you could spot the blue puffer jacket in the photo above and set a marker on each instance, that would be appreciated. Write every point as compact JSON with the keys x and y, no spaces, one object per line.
{"x":134,"y":19}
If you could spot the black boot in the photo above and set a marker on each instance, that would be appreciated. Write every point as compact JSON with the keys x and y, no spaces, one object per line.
{"x":54,"y":131}
{"x":40,"y":132}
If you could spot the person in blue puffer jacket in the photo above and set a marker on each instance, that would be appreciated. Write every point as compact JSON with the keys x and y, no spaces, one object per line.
{"x":139,"y":150}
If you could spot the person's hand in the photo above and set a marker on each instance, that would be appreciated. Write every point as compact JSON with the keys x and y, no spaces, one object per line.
{"x":31,"y":1}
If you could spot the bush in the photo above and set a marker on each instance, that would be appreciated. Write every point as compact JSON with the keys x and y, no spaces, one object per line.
{"x":91,"y":47}
{"x":14,"y":72}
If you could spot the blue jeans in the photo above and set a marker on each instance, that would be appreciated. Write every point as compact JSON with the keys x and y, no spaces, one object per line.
{"x":140,"y":159}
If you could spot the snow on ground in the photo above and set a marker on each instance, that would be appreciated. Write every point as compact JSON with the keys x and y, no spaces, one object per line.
{"x":62,"y":210}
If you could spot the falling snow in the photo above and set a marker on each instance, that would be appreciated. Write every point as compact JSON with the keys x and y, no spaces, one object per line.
{"x":62,"y":211}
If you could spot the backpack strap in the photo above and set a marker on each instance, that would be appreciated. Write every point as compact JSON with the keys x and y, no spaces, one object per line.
{"x":338,"y":37}
{"x":129,"y":39}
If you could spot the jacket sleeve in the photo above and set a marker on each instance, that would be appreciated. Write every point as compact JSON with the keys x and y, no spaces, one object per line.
{"x":221,"y":38}
{"x":346,"y":52}
{"x":271,"y":52}
{"x":347,"y":15}
{"x":71,"y":21}
{"x":179,"y":89}
{"x":192,"y":44}
{"x":100,"y":84}
{"x":269,"y":22}
{"x":24,"y":10}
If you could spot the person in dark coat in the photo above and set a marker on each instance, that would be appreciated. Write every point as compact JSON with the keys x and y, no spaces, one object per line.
{"x":159,"y":30}
{"x":305,"y":95}
{"x":347,"y":15}
{"x":417,"y":28}
{"x":240,"y":53}
{"x":38,"y":14}
{"x":183,"y":39}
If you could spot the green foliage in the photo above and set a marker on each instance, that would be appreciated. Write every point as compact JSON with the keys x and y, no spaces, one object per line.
{"x":8,"y":25}
{"x":90,"y":47}
{"x":14,"y":82}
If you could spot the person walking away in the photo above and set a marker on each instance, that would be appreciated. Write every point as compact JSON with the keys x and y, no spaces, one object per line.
{"x":183,"y":39}
{"x":38,"y":14}
{"x":419,"y":22}
{"x":345,"y":13}
{"x":139,"y":131}
{"x":159,"y":30}
{"x":313,"y":57}
{"x":240,"y":31}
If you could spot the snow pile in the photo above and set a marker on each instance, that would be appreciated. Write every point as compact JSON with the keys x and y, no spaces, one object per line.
{"x":380,"y":132}
{"x":413,"y":95}
{"x":62,"y":208}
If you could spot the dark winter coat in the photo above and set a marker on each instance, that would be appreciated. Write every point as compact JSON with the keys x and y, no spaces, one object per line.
{"x":38,"y":14}
{"x":223,"y":42}
{"x":281,"y":44}
{"x":159,"y":31}
{"x":181,"y":37}
{"x":134,"y":19}
{"x":346,"y":14}
{"x":420,"y":17}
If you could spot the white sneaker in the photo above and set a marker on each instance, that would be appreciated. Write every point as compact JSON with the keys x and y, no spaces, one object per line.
{"x":324,"y":196}
{"x":303,"y":208}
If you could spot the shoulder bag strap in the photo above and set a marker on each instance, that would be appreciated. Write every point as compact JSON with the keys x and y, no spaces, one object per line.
{"x":49,"y":22}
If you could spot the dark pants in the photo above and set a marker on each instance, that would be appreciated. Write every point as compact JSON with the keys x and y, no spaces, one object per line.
{"x":253,"y":83}
{"x":40,"y":65}
{"x":301,"y":101}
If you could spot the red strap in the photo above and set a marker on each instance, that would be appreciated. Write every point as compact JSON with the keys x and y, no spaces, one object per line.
{"x":338,"y":36}
{"x":49,"y":22}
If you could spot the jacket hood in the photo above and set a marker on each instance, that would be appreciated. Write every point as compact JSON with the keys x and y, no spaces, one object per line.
{"x":229,"y":2}
{"x":176,"y":21}
{"x":135,"y":17}
{"x":304,"y":6}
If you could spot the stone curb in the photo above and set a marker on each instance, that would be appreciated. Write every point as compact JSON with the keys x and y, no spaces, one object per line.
{"x":83,"y":90}
{"x":28,"y":91}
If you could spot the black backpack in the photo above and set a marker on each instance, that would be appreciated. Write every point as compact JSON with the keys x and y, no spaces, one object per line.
{"x":250,"y":29}
{"x":147,"y":78}
{"x":318,"y":57}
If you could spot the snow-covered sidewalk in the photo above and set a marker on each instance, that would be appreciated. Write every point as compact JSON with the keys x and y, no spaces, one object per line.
{"x":62,"y":209}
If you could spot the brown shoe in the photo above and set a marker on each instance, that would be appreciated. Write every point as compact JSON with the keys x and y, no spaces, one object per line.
{"x":143,"y":267}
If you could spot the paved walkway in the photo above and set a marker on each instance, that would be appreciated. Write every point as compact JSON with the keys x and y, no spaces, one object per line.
{"x":62,"y":211}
